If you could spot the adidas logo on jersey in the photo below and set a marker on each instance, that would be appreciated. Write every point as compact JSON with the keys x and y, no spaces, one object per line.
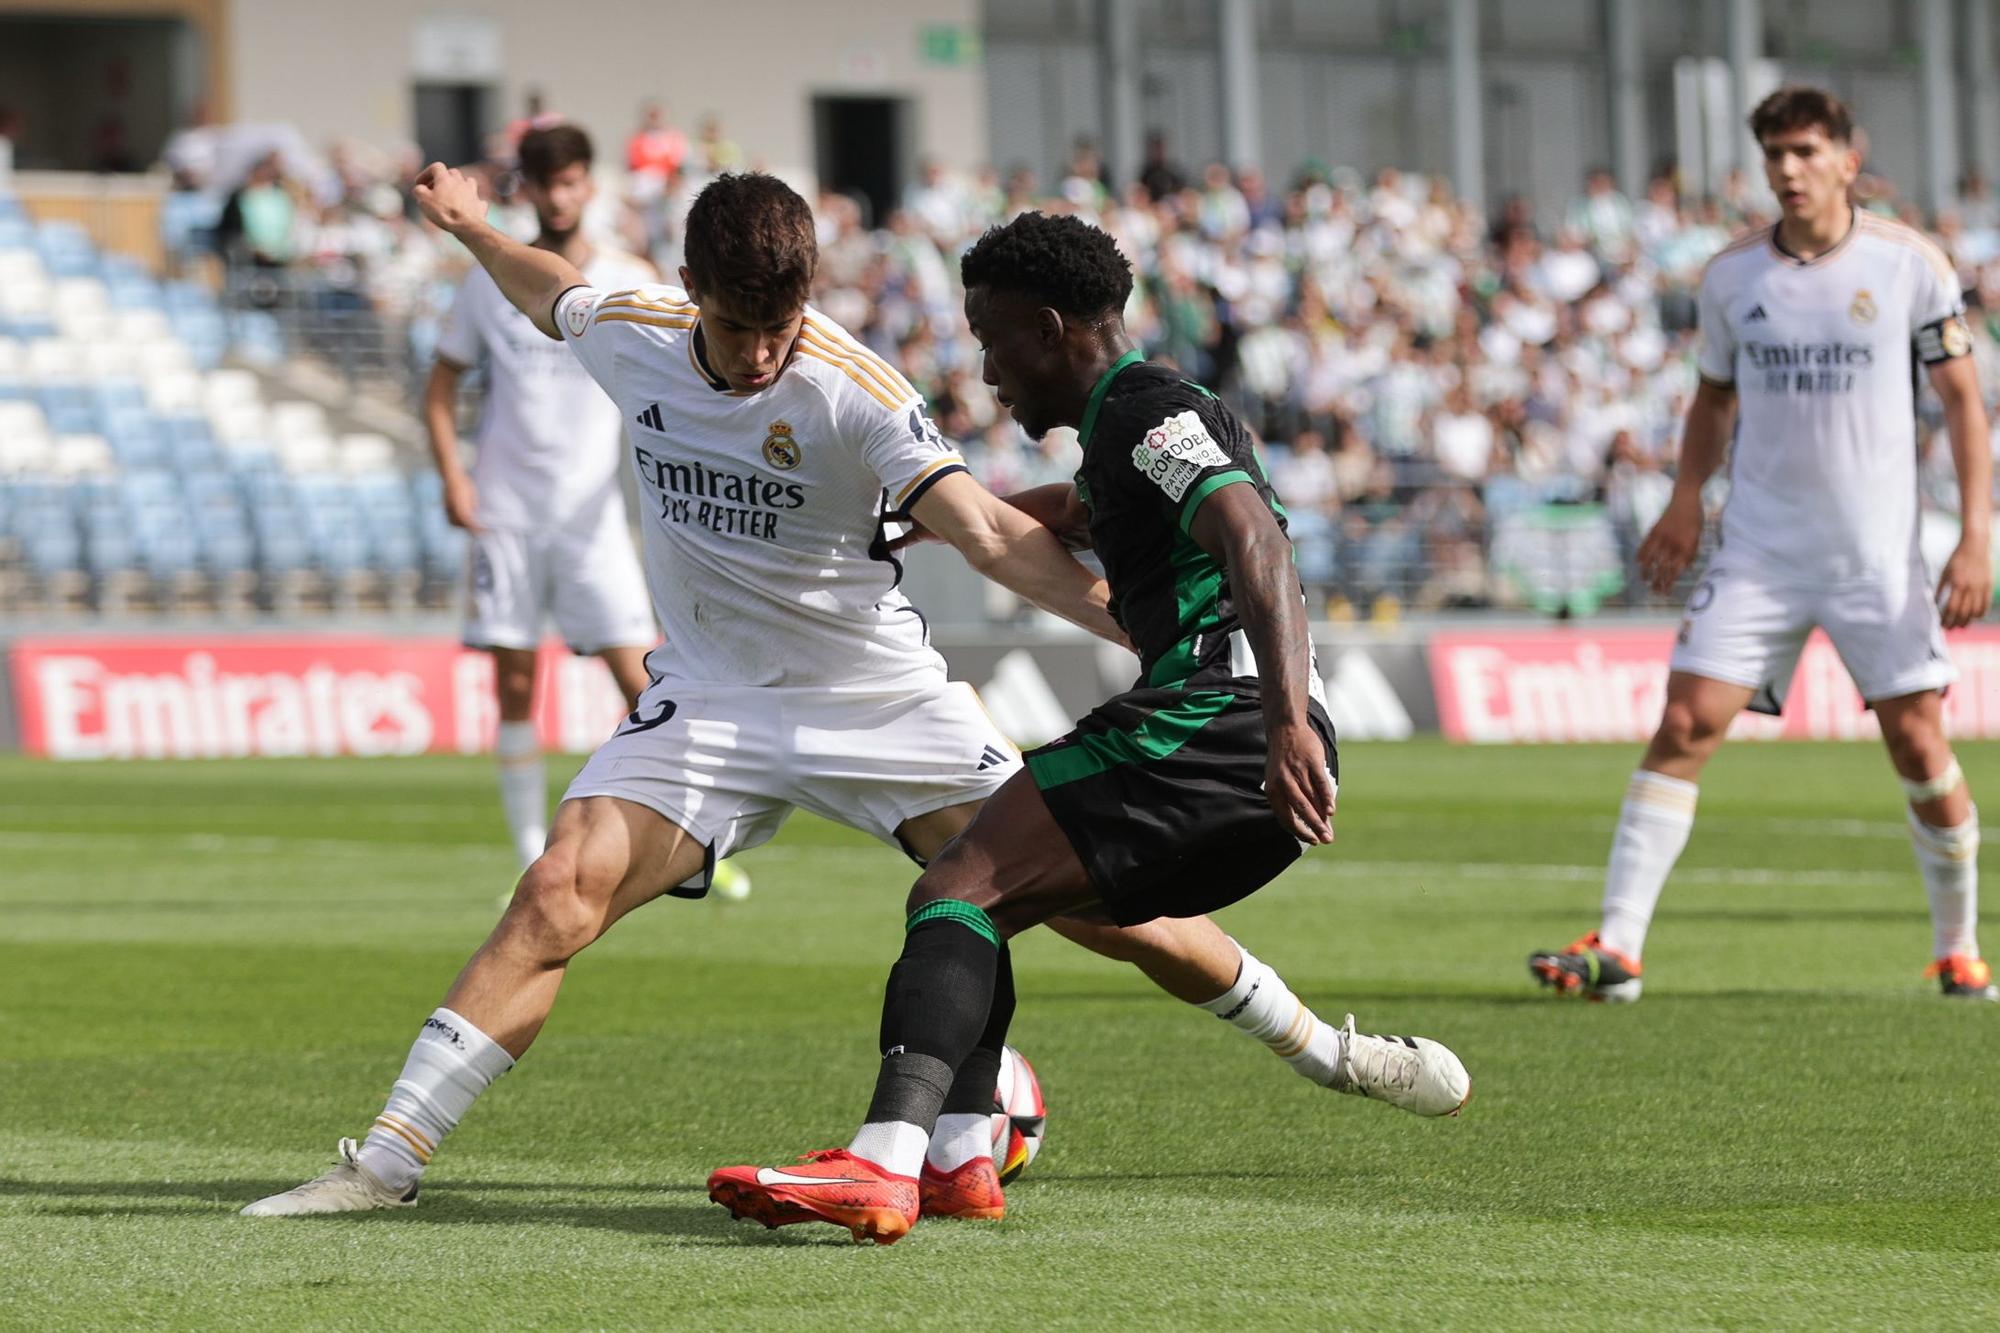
{"x":991,"y":758}
{"x":1756,"y":314}
{"x":650,"y":418}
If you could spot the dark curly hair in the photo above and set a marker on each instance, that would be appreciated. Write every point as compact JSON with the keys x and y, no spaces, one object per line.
{"x":1800,"y":108}
{"x":553,"y":148}
{"x":1058,"y":261}
{"x":750,"y":238}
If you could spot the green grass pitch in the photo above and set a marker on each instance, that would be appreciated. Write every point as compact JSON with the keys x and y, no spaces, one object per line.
{"x":209,"y":971}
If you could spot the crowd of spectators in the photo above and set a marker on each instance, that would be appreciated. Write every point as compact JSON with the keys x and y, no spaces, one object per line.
{"x":1457,"y":410}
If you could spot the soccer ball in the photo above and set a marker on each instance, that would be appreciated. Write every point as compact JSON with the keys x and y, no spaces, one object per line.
{"x":1018,"y":1115}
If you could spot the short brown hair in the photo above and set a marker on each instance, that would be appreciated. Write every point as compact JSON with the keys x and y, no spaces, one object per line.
{"x":546,"y":151}
{"x":1799,"y":108}
{"x":750,"y":238}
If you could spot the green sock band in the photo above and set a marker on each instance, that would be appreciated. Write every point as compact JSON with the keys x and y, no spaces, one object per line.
{"x":951,"y":909}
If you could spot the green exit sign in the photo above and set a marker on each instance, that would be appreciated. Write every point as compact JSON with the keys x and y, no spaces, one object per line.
{"x":948,"y":44}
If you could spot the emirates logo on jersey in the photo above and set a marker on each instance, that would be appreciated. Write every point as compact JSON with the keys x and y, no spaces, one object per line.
{"x":1862,"y":311}
{"x":781,"y":451}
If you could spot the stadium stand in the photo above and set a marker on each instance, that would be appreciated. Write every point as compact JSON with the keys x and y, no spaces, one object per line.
{"x":1458,"y":411}
{"x":138,"y":471}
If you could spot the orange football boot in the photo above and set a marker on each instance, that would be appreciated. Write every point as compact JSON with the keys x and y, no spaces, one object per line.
{"x":832,"y":1186}
{"x":1964,"y":977}
{"x":970,"y":1190}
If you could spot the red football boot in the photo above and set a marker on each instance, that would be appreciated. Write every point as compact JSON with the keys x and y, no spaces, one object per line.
{"x":970,"y":1190}
{"x":832,"y":1186}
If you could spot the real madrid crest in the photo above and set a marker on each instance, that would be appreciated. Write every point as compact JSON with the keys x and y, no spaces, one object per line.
{"x":1862,"y":311}
{"x":781,"y":451}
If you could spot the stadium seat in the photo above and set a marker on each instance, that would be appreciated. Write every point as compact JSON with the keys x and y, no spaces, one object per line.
{"x":174,"y":392}
{"x":362,"y":454}
{"x":74,"y":455}
{"x":295,"y":418}
{"x":70,"y":409}
{"x":55,"y":361}
{"x":307,"y":453}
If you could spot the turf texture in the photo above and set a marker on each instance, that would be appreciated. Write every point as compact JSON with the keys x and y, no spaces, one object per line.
{"x":209,"y":971}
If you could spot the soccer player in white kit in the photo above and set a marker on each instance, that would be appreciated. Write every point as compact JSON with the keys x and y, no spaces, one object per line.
{"x":549,"y":536}
{"x":771,"y":449}
{"x":1809,"y":330}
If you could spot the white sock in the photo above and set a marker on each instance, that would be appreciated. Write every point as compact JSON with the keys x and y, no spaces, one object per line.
{"x":1949,"y":861}
{"x":960,"y":1137}
{"x":894,"y":1145}
{"x":1653,"y":827}
{"x":1262,"y":1005}
{"x":524,"y":790}
{"x":451,"y":1063}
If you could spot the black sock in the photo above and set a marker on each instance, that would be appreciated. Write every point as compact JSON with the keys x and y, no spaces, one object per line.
{"x":972,"y":1089}
{"x":939,"y":997}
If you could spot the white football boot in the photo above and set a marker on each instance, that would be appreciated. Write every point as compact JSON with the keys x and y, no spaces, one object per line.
{"x":348,"y":1188}
{"x":1415,"y":1073}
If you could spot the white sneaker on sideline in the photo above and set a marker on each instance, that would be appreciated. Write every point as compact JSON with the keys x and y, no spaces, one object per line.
{"x":349,"y":1188}
{"x":1415,"y":1073}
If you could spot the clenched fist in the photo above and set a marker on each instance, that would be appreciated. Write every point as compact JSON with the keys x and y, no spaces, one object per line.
{"x":449,"y":198}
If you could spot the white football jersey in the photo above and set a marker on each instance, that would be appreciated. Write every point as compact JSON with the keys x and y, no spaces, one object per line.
{"x":549,"y":439}
{"x":1824,"y":355}
{"x":763,"y":523}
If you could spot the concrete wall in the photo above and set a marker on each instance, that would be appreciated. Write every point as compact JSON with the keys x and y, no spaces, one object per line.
{"x":346,"y":69}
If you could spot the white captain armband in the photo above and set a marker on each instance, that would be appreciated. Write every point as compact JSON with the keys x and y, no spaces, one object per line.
{"x":1943,"y":340}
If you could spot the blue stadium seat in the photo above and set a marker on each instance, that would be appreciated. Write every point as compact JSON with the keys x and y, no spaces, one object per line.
{"x":71,"y":409}
{"x":66,"y":250}
{"x":282,"y":546}
{"x":109,"y":542}
{"x":227,"y":546}
{"x":121,"y":394}
{"x":167,"y":546}
{"x":52,"y":549}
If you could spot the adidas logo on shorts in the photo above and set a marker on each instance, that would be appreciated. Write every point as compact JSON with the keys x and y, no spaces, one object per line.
{"x":991,"y":758}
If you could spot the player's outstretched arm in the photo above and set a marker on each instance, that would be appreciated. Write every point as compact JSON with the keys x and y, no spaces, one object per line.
{"x":1965,"y":586}
{"x":532,"y":279}
{"x":1058,"y":508}
{"x":1055,"y":506}
{"x":1236,"y":527}
{"x":1016,"y":552}
{"x":1671,"y":546}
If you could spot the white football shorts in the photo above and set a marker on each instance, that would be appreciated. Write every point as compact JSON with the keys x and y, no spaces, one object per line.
{"x":588,"y":581}
{"x":1746,"y":627}
{"x":729,"y":763}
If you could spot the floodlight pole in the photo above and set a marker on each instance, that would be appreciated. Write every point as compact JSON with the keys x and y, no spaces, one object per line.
{"x":1236,"y":50}
{"x":1118,"y":75}
{"x":1626,"y":95}
{"x":1468,"y":123}
{"x":1940,"y":103}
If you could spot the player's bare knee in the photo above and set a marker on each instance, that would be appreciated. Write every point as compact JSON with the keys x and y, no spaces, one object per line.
{"x":1686,"y":733}
{"x":558,"y":909}
{"x":515,"y":692}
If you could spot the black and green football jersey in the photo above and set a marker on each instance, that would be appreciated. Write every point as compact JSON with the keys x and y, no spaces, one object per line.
{"x":1155,"y":446}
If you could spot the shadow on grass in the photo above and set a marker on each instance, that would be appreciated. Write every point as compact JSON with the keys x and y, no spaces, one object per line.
{"x":680,"y":1217}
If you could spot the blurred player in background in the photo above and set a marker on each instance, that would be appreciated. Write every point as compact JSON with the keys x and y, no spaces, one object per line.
{"x":771,"y":450}
{"x":1814,"y":331}
{"x":1180,"y":796}
{"x":550,"y":538}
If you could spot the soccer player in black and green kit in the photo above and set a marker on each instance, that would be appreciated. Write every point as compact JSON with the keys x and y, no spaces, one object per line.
{"x":1189,"y":791}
